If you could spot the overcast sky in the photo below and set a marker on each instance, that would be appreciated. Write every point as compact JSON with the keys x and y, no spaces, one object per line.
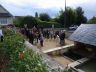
{"x":52,"y":7}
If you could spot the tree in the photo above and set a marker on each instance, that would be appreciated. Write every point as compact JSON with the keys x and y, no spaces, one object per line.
{"x":36,"y":15}
{"x":17,"y":21}
{"x":80,"y":18}
{"x":92,"y":20}
{"x":30,"y":21}
{"x":73,"y":17}
{"x":70,"y":17}
{"x":44,"y":17}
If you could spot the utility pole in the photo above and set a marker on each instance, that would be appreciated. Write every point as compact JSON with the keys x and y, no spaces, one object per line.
{"x":65,"y":16}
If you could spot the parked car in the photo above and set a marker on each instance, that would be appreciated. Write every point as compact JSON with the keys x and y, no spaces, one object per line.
{"x":73,"y":27}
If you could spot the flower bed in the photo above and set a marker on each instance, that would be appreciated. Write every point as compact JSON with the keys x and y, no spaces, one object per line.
{"x":15,"y":57}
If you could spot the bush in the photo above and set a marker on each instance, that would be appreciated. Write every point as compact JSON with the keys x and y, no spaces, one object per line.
{"x":19,"y":59}
{"x":29,"y":20}
{"x":46,"y":24}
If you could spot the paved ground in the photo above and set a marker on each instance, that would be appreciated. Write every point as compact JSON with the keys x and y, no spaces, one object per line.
{"x":49,"y":44}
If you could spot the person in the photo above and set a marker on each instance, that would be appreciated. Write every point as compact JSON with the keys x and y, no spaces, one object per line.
{"x":1,"y":35}
{"x":62,"y":38}
{"x":55,"y":34}
{"x":26,"y":31}
{"x":37,"y":36}
{"x":51,"y":34}
{"x":34,"y":29}
{"x":31,"y":37}
{"x":41,"y":39}
{"x":47,"y":34}
{"x":57,"y":40}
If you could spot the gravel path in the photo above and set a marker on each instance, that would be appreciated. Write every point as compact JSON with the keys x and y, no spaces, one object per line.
{"x":49,"y":44}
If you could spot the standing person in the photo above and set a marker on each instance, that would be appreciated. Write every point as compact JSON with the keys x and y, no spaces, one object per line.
{"x":1,"y":35}
{"x":62,"y":38}
{"x":34,"y":29}
{"x":57,"y":40}
{"x":47,"y":33}
{"x":41,"y":39}
{"x":54,"y":36}
{"x":51,"y":34}
{"x":26,"y":30}
{"x":37,"y":36}
{"x":31,"y":37}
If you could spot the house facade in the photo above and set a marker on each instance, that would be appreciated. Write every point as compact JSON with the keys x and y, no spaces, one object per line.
{"x":6,"y":18}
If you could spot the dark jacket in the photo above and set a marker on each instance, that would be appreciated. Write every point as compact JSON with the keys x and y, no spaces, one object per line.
{"x":62,"y":36}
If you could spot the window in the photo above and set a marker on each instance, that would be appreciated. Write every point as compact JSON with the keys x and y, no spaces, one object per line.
{"x":3,"y":21}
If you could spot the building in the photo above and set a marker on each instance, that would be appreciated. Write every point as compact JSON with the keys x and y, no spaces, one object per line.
{"x":85,"y":45}
{"x":85,"y":39}
{"x":6,"y":18}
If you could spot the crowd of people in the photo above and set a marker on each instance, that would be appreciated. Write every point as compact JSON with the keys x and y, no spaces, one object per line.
{"x":37,"y":35}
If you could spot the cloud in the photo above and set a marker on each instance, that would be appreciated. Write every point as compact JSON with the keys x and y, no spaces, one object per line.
{"x":52,"y":7}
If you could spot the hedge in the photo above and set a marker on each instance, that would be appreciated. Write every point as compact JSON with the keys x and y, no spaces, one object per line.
{"x":49,"y":24}
{"x":31,"y":21}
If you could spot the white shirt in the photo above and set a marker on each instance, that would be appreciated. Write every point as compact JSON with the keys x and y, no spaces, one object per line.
{"x":1,"y":33}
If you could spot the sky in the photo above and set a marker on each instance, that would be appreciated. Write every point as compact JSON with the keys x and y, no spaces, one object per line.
{"x":52,"y":7}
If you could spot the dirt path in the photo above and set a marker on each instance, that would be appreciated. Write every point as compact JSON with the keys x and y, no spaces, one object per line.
{"x":49,"y":44}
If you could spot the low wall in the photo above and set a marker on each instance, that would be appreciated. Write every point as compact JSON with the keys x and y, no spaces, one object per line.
{"x":58,"y":50}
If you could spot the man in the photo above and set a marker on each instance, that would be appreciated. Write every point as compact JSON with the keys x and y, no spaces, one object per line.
{"x":62,"y":38}
{"x":31,"y":37}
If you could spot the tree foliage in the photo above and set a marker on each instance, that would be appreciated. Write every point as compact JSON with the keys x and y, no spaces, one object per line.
{"x":44,"y":17}
{"x":71,"y":17}
{"x":66,"y":19}
{"x":80,"y":18}
{"x":29,"y":20}
{"x":36,"y":15}
{"x":92,"y":20}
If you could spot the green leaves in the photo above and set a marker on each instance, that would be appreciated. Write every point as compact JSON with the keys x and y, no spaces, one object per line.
{"x":20,"y":59}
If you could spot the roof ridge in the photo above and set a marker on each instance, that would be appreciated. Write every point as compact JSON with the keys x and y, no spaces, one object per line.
{"x":6,"y":10}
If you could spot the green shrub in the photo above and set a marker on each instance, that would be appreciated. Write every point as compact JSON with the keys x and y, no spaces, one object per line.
{"x":19,"y":58}
{"x":46,"y":24}
{"x":31,"y":21}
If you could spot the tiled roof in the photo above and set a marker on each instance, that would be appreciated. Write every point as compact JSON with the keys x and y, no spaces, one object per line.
{"x":86,"y":33}
{"x":4,"y":13}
